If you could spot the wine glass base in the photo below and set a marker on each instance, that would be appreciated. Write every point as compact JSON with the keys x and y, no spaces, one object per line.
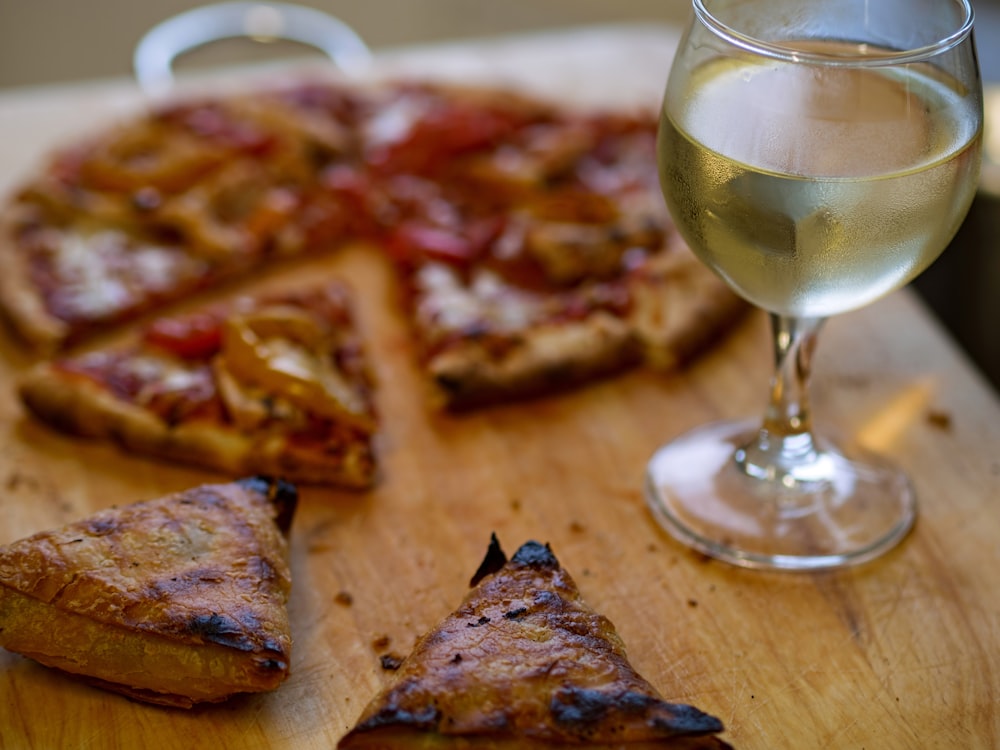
{"x":853,"y":508}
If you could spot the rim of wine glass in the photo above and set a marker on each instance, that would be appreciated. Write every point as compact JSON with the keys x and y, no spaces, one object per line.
{"x":791,"y":54}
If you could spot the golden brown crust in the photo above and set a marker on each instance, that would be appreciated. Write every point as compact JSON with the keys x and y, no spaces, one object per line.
{"x":524,"y":659}
{"x":181,"y":599}
{"x":544,"y":359}
{"x":20,"y":299}
{"x":680,"y":307}
{"x":80,"y":406}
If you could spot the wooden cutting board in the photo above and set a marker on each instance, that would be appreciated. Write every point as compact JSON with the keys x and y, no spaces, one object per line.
{"x":901,"y":653}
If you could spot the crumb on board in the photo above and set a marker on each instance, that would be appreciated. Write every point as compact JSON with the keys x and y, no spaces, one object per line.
{"x":344,"y":598}
{"x":16,"y":479}
{"x":381,"y":642}
{"x":390,"y":662}
{"x":939,"y":419}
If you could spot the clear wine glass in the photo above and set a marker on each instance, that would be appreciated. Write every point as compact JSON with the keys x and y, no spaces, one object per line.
{"x":817,"y":154}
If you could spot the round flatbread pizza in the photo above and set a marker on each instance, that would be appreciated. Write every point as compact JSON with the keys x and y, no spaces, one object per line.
{"x":531,"y":243}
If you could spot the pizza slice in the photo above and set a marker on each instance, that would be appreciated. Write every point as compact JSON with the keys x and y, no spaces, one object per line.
{"x":175,"y":199}
{"x":485,"y":339}
{"x":555,"y":264}
{"x":525,"y":663}
{"x":276,"y":383}
{"x":176,"y":601}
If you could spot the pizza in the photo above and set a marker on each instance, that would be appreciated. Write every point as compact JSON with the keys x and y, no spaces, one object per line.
{"x":555,"y":261}
{"x":524,"y":662}
{"x":532,"y":246}
{"x":275,"y":382}
{"x":176,"y":601}
{"x":174,"y":201}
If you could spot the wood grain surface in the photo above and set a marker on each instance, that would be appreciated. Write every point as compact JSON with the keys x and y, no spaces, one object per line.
{"x":901,"y":653}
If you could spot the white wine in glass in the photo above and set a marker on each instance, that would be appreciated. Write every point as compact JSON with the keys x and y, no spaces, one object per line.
{"x":817,"y":154}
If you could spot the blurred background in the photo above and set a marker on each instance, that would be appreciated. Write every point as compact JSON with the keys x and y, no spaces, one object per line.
{"x":45,"y":42}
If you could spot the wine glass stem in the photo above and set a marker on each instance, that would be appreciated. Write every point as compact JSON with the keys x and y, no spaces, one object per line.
{"x":784,"y":449}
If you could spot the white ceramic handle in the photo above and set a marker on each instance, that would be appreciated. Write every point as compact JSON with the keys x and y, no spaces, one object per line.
{"x":265,"y":21}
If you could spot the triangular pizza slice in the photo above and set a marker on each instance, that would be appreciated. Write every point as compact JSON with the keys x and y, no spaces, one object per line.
{"x":177,"y":600}
{"x":275,"y":382}
{"x":525,"y":663}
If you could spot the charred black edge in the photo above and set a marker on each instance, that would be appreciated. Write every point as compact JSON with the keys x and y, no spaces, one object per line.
{"x":283,"y":495}
{"x":221,"y":630}
{"x":531,"y":554}
{"x":426,"y":718}
{"x":534,"y":554}
{"x":495,"y":559}
{"x":688,"y":720}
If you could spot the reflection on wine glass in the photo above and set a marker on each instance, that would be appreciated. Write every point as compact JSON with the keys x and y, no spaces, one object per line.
{"x":817,"y":155}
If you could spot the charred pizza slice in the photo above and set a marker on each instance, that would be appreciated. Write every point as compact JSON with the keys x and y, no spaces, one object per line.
{"x":275,"y":383}
{"x":176,"y":601}
{"x":525,"y":663}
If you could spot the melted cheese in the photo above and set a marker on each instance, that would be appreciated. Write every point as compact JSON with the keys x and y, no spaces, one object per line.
{"x":103,"y":273}
{"x":449,"y":305}
{"x":89,"y":288}
{"x":393,"y":123}
{"x":162,"y":376}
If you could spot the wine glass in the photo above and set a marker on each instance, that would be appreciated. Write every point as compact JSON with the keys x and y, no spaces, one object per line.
{"x":817,"y":155}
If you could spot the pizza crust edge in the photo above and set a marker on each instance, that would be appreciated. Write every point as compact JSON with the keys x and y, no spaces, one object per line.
{"x":77,"y":406}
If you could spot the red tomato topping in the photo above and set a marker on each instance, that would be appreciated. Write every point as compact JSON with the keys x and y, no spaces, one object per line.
{"x":413,"y":240}
{"x":443,"y":133}
{"x":196,"y":336}
{"x":208,"y":120}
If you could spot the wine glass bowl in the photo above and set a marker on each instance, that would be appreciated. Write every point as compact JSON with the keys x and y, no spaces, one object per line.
{"x":817,"y":155}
